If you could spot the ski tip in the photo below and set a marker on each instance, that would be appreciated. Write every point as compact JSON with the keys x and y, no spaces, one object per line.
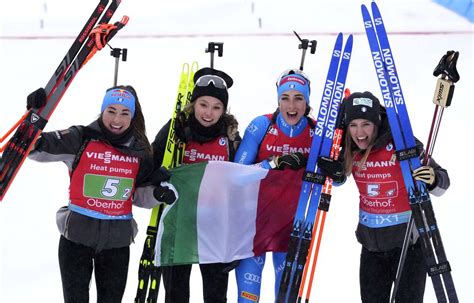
{"x":350,"y":39}
{"x":366,"y":15}
{"x":194,"y":66}
{"x":365,"y":11}
{"x":185,"y":68}
{"x":374,"y":6}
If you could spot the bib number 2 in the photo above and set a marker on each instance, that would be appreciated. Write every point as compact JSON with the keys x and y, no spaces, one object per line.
{"x":98,"y":186}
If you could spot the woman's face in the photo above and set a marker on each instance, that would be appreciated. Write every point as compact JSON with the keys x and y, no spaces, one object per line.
{"x":117,"y":118}
{"x":208,"y":110}
{"x":292,"y":106}
{"x":362,"y":132}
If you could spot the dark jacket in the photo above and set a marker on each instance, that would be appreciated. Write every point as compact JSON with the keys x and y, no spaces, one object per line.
{"x":67,"y":146}
{"x":185,"y":133}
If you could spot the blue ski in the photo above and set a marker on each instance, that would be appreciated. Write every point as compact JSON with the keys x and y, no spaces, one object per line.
{"x":420,"y":202}
{"x":301,"y":235}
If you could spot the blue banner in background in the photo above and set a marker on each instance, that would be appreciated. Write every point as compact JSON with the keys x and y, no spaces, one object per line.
{"x":462,"y":7}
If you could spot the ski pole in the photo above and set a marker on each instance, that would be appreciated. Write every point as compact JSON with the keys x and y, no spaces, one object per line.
{"x":305,"y":44}
{"x":12,"y":129}
{"x":323,"y":208}
{"x":318,"y":228}
{"x":215,"y":46}
{"x":442,"y":98}
{"x":30,"y":129}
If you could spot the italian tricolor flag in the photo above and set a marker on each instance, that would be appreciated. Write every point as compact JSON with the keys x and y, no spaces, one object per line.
{"x":225,"y":212}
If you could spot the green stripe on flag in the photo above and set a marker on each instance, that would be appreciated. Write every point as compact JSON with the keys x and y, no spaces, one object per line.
{"x":181,"y":243}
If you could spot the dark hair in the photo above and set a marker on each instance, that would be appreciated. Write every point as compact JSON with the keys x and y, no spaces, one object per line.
{"x":138,"y":120}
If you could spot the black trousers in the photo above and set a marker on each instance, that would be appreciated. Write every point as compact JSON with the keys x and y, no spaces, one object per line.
{"x":378,"y":271}
{"x":77,"y":262}
{"x":214,"y":280}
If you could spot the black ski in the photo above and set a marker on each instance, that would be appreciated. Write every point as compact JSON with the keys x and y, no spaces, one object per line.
{"x":18,"y":147}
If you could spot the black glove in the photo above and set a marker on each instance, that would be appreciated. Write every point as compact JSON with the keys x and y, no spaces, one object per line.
{"x":294,"y":161}
{"x":163,"y":193}
{"x":425,"y":174}
{"x":159,"y":175}
{"x":334,"y":169}
{"x":36,"y":99}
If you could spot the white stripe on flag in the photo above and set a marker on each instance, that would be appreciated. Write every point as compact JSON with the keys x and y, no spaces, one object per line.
{"x":230,"y":190}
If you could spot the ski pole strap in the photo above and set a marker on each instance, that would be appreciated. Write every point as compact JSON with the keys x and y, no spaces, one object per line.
{"x":439,"y":269}
{"x":407,"y":153}
{"x":447,"y":66}
{"x":36,"y":120}
{"x":104,"y":32}
{"x":314,"y":177}
{"x":101,"y":33}
{"x":324,"y":201}
{"x":151,"y":230}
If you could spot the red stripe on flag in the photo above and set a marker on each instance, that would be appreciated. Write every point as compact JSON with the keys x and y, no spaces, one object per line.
{"x":277,"y":202}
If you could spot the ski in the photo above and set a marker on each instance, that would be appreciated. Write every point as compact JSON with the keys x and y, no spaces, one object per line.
{"x":148,"y":274}
{"x":313,"y":181}
{"x":29,"y":129}
{"x":419,"y":198}
{"x":323,"y":209}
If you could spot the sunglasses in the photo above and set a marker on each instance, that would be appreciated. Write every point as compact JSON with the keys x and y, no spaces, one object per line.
{"x":206,"y":80}
{"x":291,"y":72}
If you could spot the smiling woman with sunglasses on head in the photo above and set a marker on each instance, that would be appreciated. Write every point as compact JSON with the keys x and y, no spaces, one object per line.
{"x":209,"y":133}
{"x":109,"y":163}
{"x":280,"y":140}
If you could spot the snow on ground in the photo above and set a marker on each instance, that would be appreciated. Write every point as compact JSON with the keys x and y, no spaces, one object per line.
{"x":160,"y":37}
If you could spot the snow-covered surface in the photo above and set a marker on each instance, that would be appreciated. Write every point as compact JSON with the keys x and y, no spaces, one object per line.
{"x":160,"y":37}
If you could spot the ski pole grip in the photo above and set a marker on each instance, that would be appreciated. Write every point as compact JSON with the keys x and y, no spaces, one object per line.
{"x":443,"y":92}
{"x":449,"y":75}
{"x":447,"y":66}
{"x":119,"y":25}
